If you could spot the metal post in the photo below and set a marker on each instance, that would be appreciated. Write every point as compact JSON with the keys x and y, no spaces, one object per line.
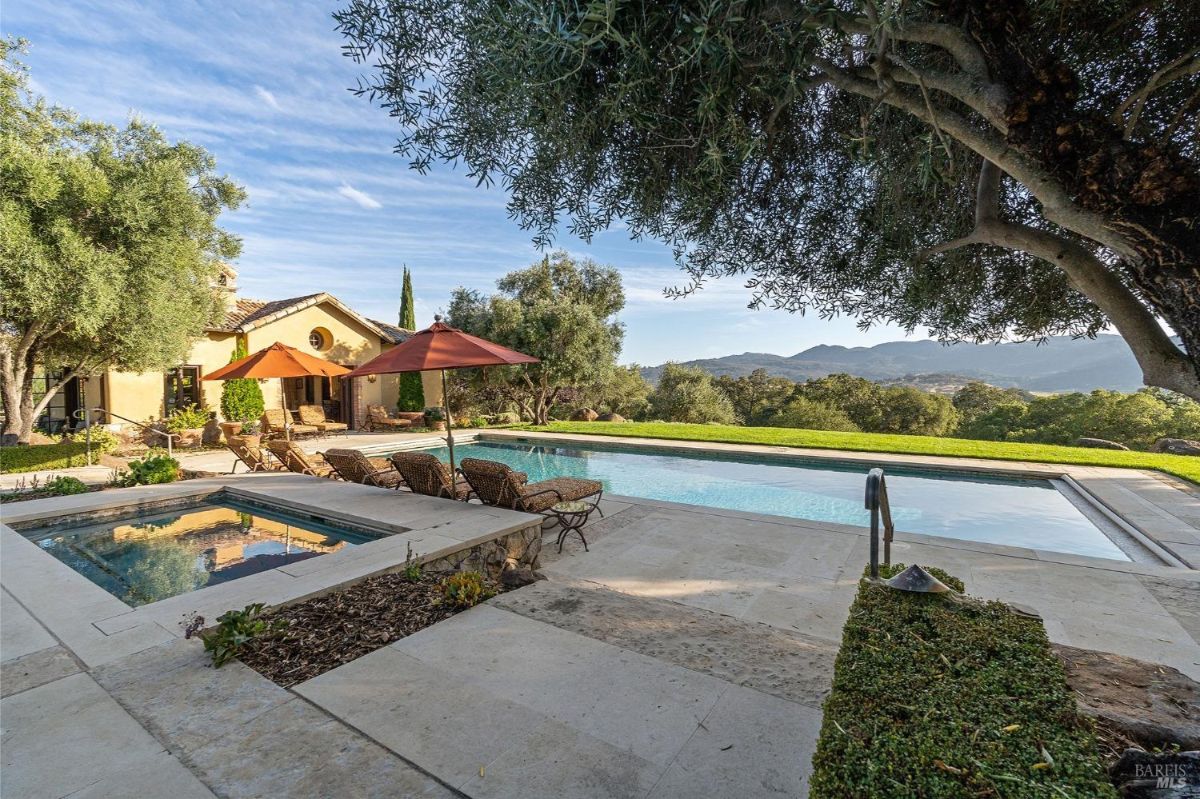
{"x":449,"y":423}
{"x":87,"y":420}
{"x":874,"y":480}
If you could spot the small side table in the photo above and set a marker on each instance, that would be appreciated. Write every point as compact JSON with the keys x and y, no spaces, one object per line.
{"x":572,"y":516}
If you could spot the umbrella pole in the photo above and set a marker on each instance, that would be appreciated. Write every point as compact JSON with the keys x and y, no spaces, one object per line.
{"x":287,"y":422}
{"x":449,"y":423}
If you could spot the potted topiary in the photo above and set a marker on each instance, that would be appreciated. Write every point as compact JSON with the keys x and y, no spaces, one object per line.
{"x":250,"y":432}
{"x":435,"y":419}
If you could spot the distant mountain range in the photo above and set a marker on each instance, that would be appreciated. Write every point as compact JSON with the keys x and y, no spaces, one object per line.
{"x":1058,"y":364}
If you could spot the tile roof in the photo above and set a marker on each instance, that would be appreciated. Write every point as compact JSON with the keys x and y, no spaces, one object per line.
{"x":247,"y":311}
{"x":247,"y":314}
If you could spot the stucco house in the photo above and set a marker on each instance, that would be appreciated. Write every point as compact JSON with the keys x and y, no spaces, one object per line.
{"x":318,"y":324}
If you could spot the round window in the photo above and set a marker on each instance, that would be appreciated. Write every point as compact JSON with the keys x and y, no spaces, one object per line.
{"x":319,"y":339}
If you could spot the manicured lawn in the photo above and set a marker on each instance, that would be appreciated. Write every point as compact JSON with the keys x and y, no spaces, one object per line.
{"x":42,"y":456}
{"x":1179,"y":465}
{"x":939,"y":699}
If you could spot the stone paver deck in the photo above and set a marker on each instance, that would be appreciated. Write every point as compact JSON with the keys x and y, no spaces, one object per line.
{"x":685,"y":655}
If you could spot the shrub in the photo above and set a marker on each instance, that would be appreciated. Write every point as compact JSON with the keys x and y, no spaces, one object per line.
{"x":103,"y":439}
{"x":241,"y":398}
{"x":42,"y":457}
{"x":434,"y":414}
{"x":64,"y":486}
{"x":801,"y":412}
{"x":689,"y":394}
{"x":479,"y":421}
{"x":235,"y":629}
{"x":507,"y":417}
{"x":464,"y":589}
{"x":150,"y":471}
{"x":189,"y":418}
{"x":940,"y":699}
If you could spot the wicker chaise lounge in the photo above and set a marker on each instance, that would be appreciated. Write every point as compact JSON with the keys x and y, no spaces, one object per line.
{"x":497,"y":484}
{"x":378,"y":419}
{"x":277,"y":422}
{"x":314,"y":415}
{"x":253,"y":456}
{"x":295,"y":459}
{"x":355,"y":467}
{"x":426,"y":474}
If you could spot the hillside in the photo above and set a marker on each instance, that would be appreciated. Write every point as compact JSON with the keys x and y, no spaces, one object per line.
{"x":1057,"y":364}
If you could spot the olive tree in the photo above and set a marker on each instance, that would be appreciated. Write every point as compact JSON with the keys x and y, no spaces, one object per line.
{"x":559,"y":310}
{"x":109,"y":247}
{"x":983,"y":168}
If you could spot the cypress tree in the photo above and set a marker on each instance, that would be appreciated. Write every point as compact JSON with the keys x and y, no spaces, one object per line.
{"x":412,"y":395}
{"x":241,"y":398}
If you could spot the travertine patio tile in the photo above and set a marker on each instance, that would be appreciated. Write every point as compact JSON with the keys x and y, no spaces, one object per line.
{"x":751,"y":745}
{"x":69,"y":737}
{"x":21,"y":634}
{"x":36,"y":668}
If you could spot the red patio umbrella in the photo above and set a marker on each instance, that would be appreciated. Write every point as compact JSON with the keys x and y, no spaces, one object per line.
{"x":278,"y":360}
{"x":442,"y":347}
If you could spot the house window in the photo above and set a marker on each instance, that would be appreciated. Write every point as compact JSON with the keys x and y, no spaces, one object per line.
{"x":320,"y":339}
{"x":181,"y":388}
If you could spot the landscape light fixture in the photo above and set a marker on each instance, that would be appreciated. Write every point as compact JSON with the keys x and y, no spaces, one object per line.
{"x":918,"y":581}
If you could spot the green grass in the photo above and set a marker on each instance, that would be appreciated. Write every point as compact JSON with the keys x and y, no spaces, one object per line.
{"x":940,"y":700}
{"x":42,"y":456}
{"x":1178,"y":465}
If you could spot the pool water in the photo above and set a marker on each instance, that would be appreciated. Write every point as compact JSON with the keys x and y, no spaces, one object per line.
{"x":1023,"y":513}
{"x":151,"y":557}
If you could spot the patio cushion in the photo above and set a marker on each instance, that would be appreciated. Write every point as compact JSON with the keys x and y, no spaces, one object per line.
{"x":557,"y":489}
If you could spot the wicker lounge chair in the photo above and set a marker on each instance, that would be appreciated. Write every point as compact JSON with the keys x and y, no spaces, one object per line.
{"x":276,"y":422}
{"x":497,"y":484}
{"x":425,"y":474}
{"x":315,"y":415}
{"x":378,"y":419}
{"x":295,"y":459}
{"x":355,"y":467}
{"x":253,"y":456}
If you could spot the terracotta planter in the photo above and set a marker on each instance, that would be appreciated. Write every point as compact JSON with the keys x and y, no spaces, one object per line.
{"x":252,"y":440}
{"x":191,"y":437}
{"x":435,"y":425}
{"x":231,"y":429}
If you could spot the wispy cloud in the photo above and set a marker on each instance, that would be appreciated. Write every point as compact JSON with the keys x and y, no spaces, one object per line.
{"x":267,"y":98}
{"x":263,"y":87}
{"x":360,"y":197}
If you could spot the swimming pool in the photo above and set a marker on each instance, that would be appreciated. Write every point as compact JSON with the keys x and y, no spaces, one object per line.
{"x":144,"y":558}
{"x":1023,"y":513}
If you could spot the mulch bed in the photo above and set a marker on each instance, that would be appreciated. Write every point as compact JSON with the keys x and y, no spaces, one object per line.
{"x":327,"y":631}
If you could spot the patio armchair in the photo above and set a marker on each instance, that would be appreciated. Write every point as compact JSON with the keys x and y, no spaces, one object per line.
{"x":314,"y":415}
{"x":277,"y":422}
{"x":297,"y":460}
{"x":355,"y":467}
{"x":497,"y":484}
{"x":254,"y":457}
{"x":377,"y":418}
{"x":426,"y":474}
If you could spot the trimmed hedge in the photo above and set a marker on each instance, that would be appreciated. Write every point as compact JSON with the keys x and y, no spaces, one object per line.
{"x":41,"y":457}
{"x":936,"y":699}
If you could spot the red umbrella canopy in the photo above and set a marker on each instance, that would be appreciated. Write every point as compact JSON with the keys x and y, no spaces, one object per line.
{"x":278,"y":360}
{"x":440,"y":346}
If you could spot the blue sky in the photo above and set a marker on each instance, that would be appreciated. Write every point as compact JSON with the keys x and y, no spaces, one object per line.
{"x":263,"y":86}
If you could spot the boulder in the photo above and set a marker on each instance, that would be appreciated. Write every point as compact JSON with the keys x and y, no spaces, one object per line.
{"x":1156,"y":775}
{"x":520,"y":576}
{"x":1099,"y":443}
{"x":1148,"y":703}
{"x":584,"y":415}
{"x":1176,"y":446}
{"x":610,"y":417}
{"x":211,"y":433}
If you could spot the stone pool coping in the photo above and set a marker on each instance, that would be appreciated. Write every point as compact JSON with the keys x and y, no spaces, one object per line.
{"x":1161,"y":512}
{"x":98,"y":627}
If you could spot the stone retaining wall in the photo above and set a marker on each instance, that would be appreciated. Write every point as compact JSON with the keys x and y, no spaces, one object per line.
{"x":515,"y":550}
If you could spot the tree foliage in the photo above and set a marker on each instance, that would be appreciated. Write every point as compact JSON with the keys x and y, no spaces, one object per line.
{"x":560,"y":310}
{"x":808,"y":414}
{"x":109,"y":246}
{"x":689,"y":394}
{"x":757,"y":396}
{"x":241,"y":397}
{"x":981,"y":168}
{"x":412,"y":392}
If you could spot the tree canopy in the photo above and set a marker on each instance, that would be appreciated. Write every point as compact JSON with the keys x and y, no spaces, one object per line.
{"x":981,"y":168}
{"x":689,"y":394}
{"x":109,"y":245}
{"x":411,"y":396}
{"x":560,"y":310}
